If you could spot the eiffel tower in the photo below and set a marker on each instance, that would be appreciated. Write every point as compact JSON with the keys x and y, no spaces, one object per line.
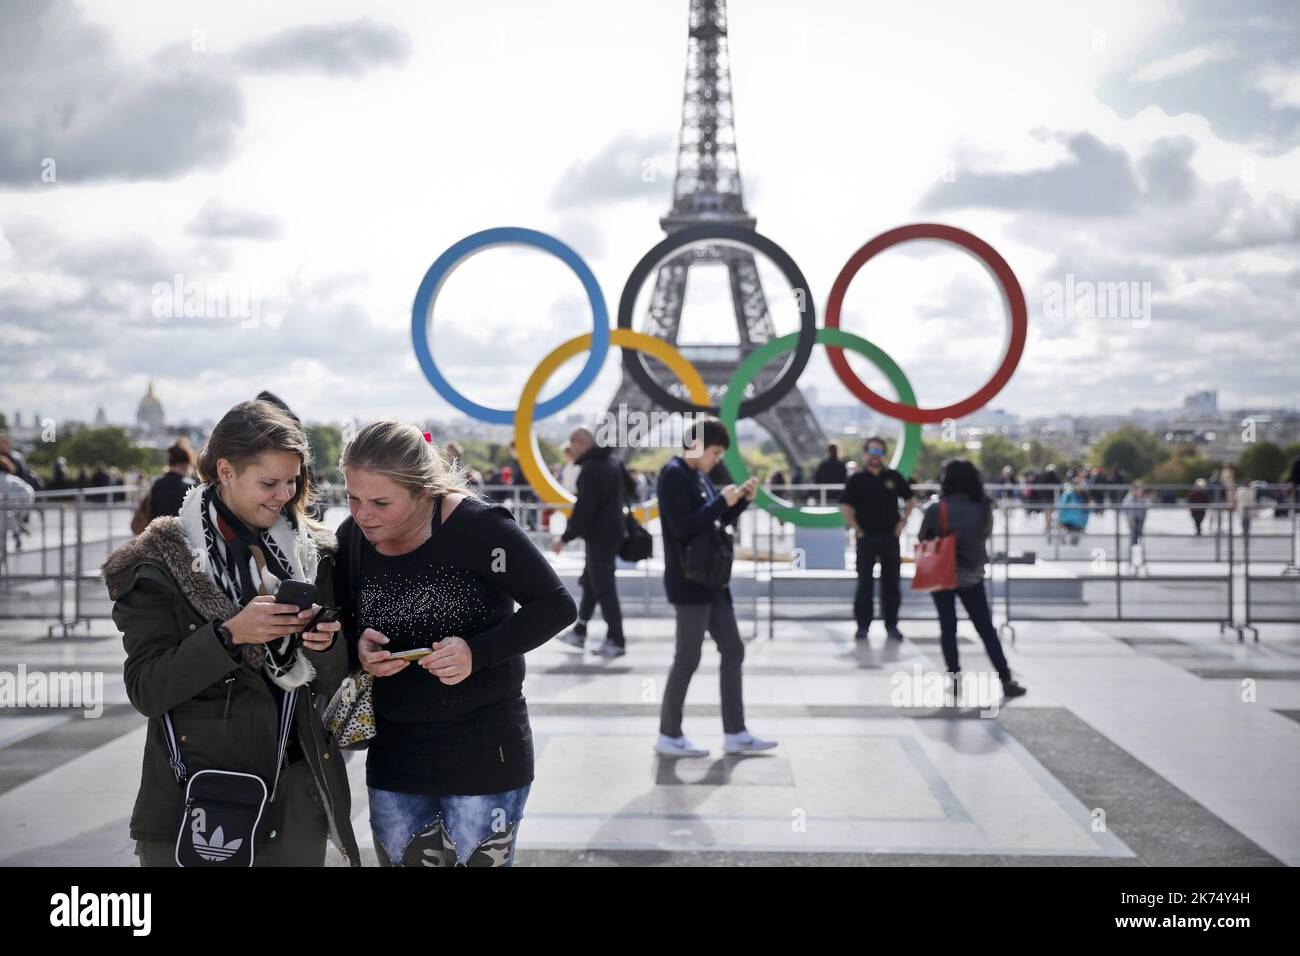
{"x":707,"y":190}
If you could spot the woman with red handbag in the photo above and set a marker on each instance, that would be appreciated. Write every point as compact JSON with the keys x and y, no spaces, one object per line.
{"x":964,"y":515}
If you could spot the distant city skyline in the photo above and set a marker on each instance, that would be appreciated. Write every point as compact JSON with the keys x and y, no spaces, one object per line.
{"x":152,"y":411}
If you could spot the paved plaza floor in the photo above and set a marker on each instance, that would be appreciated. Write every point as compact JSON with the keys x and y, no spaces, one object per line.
{"x":1138,"y":744}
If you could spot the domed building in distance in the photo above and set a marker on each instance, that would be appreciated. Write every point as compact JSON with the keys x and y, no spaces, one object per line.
{"x":149,"y":416}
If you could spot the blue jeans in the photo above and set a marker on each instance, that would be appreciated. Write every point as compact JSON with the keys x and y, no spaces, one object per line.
{"x":412,"y":829}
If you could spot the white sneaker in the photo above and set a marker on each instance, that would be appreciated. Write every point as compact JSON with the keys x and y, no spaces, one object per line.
{"x":745,"y":743}
{"x":678,"y":747}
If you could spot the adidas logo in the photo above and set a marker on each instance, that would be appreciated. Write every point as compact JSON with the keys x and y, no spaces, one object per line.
{"x":214,"y":849}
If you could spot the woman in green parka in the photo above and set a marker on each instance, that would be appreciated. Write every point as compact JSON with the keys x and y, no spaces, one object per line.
{"x":207,"y":643}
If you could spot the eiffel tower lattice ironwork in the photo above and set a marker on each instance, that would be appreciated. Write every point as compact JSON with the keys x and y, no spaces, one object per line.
{"x":707,"y":189}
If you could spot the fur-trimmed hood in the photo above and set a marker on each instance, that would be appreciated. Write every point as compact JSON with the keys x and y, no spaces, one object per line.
{"x":164,"y":542}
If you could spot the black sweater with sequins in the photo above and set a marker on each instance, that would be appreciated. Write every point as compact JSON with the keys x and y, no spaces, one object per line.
{"x":472,"y":737}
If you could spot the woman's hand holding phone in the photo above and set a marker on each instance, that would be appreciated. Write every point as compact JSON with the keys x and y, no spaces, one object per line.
{"x":374,"y":659}
{"x":451,"y":661}
{"x":321,"y":636}
{"x":262,"y":620}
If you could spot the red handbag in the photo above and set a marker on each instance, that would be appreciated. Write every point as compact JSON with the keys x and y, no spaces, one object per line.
{"x":936,"y":559}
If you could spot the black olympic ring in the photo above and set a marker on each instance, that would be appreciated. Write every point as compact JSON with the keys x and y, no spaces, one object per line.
{"x":634,"y":362}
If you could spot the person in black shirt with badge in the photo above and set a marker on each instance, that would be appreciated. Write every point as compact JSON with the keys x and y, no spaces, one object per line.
{"x":870,"y":506}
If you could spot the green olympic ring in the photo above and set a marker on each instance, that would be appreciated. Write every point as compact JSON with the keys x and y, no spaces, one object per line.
{"x":904,"y":454}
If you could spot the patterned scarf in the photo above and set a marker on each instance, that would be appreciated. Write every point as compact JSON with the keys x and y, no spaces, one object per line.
{"x":245,"y":563}
{"x":234,"y":559}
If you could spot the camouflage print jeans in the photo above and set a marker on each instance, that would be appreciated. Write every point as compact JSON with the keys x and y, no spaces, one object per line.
{"x":413,"y":829}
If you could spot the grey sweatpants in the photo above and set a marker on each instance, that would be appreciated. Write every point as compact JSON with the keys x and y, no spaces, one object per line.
{"x":718,"y":618}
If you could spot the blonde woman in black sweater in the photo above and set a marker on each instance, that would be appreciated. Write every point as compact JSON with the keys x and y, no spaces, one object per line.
{"x":440,"y":569}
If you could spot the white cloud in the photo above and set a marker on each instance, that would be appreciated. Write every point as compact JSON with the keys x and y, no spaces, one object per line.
{"x":1177,"y":64}
{"x":340,"y":49}
{"x":220,"y":221}
{"x":848,"y":116}
{"x":1281,"y":83}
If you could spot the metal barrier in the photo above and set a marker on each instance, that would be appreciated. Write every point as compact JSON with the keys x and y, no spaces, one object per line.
{"x":47,"y":565}
{"x":1038,"y":573}
{"x":1085,"y":575}
{"x":1269,"y":598}
{"x":1102,"y":587}
{"x":59,"y":539}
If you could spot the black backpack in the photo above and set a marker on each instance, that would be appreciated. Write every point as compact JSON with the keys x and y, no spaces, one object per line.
{"x":708,"y":557}
{"x":639,"y":544}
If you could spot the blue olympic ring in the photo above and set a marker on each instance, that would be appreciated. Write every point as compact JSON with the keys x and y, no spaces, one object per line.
{"x":445,"y":264}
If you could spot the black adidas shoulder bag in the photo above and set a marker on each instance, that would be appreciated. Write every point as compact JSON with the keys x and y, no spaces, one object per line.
{"x":223,"y":807}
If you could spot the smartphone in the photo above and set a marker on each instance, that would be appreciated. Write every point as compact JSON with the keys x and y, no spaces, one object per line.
{"x":298,"y":593}
{"x":414,"y":654}
{"x":326,"y":615}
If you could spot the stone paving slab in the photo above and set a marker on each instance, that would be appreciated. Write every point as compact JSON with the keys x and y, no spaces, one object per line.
{"x":1126,"y":751}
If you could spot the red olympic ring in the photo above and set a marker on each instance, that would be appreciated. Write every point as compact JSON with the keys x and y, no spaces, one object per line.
{"x":1011,"y":291}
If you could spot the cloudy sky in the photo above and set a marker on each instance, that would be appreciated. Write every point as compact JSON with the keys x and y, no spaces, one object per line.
{"x":312,"y":159}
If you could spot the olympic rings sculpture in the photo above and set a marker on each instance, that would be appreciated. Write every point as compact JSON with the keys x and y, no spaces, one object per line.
{"x":635,"y":346}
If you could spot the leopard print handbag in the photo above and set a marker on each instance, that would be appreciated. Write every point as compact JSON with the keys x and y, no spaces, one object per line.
{"x":350,"y":716}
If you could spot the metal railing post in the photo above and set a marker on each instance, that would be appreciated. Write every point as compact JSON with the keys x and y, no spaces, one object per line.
{"x":1218,"y":531}
{"x":1293,"y":566}
{"x":1245,"y":562}
{"x":1006,"y":572}
{"x":107,"y":505}
{"x":1232,"y":604}
{"x":753,"y":554}
{"x":63,"y":561}
{"x":79,"y":558}
{"x":1119,"y":577}
{"x":1054,"y":520}
{"x":771,"y":584}
{"x":45,"y":534}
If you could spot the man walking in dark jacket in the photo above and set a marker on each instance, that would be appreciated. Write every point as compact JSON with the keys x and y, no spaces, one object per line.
{"x":603,"y":487}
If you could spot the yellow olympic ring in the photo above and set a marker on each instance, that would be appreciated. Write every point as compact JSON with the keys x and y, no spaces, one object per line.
{"x":526,"y":448}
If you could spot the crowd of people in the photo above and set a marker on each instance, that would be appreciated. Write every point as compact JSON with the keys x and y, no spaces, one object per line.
{"x":1069,"y":505}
